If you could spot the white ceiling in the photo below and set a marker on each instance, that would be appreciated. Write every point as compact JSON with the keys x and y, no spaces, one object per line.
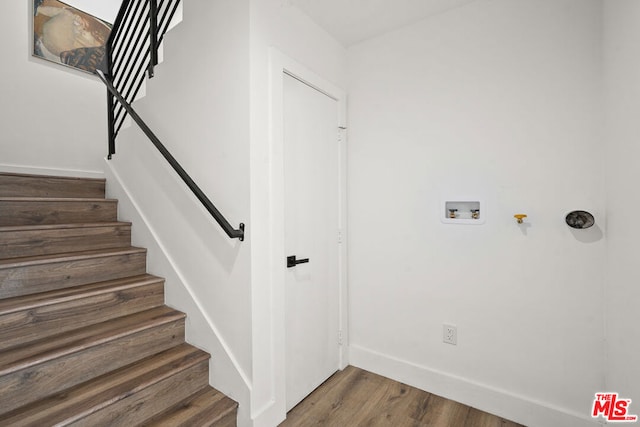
{"x":351,"y":21}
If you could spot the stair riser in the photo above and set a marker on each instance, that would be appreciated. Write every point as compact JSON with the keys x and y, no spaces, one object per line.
{"x":40,"y":212}
{"x":46,"y":186}
{"x":27,"y":325}
{"x":51,"y":241}
{"x":27,"y":280}
{"x":207,"y":409}
{"x":35,"y":382}
{"x":153,"y":400}
{"x":230,"y":420}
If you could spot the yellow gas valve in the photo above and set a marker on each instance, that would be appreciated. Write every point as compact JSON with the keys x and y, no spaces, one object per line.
{"x":520,"y":217}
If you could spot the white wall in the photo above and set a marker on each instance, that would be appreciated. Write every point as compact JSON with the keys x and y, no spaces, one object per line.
{"x":622,"y":78}
{"x":275,"y":26}
{"x":499,"y":100}
{"x":107,"y":10}
{"x":198,"y":105}
{"x":53,"y":119}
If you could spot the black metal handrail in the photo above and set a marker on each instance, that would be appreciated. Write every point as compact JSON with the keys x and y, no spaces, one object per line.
{"x":131,"y":54}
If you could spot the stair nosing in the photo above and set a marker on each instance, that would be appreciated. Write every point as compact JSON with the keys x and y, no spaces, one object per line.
{"x":57,"y":199}
{"x":8,"y":263}
{"x":58,"y":296}
{"x":205,"y":392}
{"x":171,"y":315}
{"x":71,"y":178}
{"x":66,"y":226}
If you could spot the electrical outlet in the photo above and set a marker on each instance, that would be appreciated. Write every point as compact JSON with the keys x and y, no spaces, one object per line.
{"x":450,"y":334}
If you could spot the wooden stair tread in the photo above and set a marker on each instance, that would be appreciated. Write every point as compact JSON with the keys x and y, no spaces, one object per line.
{"x":50,"y":348}
{"x":57,"y":199}
{"x":8,"y":228}
{"x":46,"y":272}
{"x":56,"y":177}
{"x":18,"y":184}
{"x":31,"y":301}
{"x":202,"y":409}
{"x":66,"y":257}
{"x":38,"y":239}
{"x":32,"y":317}
{"x":89,"y":397}
{"x":56,"y":210}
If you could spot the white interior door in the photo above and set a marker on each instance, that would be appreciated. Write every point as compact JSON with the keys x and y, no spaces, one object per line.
{"x":311,"y":164}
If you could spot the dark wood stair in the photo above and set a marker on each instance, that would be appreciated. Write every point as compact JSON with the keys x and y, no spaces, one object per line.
{"x":55,"y":210}
{"x":32,"y":240}
{"x":85,"y":337}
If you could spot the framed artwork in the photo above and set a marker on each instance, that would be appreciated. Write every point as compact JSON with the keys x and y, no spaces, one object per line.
{"x":68,"y":36}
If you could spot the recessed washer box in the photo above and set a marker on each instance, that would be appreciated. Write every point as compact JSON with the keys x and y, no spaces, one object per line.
{"x":463,"y":211}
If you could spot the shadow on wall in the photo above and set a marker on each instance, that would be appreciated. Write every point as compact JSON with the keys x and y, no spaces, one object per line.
{"x":524,"y":228}
{"x":589,"y":235}
{"x":582,"y":225}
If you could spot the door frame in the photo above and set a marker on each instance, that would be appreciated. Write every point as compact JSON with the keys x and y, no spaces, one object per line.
{"x":280,"y":65}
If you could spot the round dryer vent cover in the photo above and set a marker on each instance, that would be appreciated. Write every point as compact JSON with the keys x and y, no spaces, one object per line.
{"x":580,"y":219}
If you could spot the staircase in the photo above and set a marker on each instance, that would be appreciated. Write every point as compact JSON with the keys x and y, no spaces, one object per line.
{"x":85,"y":337}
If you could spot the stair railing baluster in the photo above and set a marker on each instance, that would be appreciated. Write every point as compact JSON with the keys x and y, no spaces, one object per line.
{"x":120,"y":75}
{"x":153,"y":36}
{"x":130,"y":45}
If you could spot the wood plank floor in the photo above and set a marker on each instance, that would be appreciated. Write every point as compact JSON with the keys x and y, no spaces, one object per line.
{"x":354,"y":397}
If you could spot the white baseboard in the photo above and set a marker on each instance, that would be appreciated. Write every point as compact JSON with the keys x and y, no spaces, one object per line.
{"x":268,"y":416}
{"x":486,"y":398}
{"x":38,"y":170}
